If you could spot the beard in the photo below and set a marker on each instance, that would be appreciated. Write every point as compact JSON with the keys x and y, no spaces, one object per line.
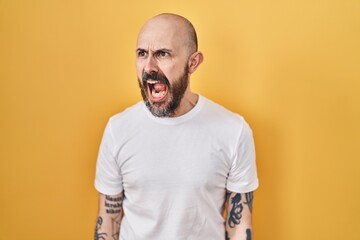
{"x":174,"y":96}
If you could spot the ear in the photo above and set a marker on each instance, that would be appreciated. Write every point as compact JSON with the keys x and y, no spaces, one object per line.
{"x":194,"y":61}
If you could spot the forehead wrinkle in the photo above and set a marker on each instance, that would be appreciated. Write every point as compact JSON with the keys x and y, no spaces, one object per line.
{"x":155,"y":46}
{"x":154,"y":50}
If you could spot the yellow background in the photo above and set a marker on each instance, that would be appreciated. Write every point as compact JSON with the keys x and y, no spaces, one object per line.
{"x":291,"y":68}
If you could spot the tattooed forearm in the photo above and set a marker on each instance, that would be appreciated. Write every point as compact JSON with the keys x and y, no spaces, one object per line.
{"x":236,"y":210}
{"x":116,"y":227}
{"x":238,"y":222}
{"x":109,"y":218}
{"x":113,"y":205}
{"x":248,"y":234}
{"x":98,"y":235}
{"x":249,"y":200}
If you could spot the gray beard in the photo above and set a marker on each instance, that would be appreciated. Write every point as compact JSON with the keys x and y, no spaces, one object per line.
{"x":176,"y":92}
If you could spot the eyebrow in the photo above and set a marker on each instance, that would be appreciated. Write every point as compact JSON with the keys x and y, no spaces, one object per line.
{"x":158,"y":50}
{"x":140,"y":49}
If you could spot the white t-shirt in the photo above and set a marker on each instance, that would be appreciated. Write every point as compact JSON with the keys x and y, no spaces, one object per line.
{"x":175,"y":171}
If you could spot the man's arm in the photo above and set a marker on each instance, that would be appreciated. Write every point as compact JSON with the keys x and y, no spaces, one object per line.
{"x":109,"y":218}
{"x":239,"y":213}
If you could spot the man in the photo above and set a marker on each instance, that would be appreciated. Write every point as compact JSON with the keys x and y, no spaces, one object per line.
{"x":168,"y":165}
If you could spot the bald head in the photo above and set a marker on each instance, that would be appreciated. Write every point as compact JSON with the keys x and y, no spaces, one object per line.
{"x":166,"y":56}
{"x":174,"y":26}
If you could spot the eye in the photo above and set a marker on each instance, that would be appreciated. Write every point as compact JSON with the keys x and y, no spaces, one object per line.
{"x":163,"y":54}
{"x":141,"y":53}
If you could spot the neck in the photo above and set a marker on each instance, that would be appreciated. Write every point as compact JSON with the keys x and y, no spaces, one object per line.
{"x":187,"y":103}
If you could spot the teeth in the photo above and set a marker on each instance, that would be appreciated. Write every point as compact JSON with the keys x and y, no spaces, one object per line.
{"x":158,"y":94}
{"x":152,"y":81}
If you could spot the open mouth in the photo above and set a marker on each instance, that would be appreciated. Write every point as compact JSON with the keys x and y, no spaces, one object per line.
{"x":156,"y":90}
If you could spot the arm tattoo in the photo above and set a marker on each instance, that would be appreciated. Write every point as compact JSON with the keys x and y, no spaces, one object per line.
{"x":249,"y":200}
{"x":116,"y":227}
{"x":248,"y":234}
{"x":113,"y":205}
{"x":98,"y":235}
{"x":236,"y":210}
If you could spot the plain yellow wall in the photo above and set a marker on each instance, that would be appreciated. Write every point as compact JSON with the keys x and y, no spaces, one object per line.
{"x":291,"y":68}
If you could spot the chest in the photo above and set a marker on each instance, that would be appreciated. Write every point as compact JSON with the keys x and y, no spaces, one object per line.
{"x":153,"y":160}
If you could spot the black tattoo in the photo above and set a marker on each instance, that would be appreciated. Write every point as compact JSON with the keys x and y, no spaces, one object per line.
{"x":109,"y":198}
{"x":113,"y":211}
{"x":248,"y":234}
{"x":226,"y":236}
{"x":116,"y":227}
{"x":249,"y":200}
{"x":236,"y":210}
{"x":98,"y":235}
{"x":113,"y":205}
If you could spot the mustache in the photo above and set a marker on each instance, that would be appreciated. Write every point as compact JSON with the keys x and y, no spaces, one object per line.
{"x":155,"y":76}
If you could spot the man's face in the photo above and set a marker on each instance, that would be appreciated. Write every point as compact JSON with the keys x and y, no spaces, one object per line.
{"x":162,"y":67}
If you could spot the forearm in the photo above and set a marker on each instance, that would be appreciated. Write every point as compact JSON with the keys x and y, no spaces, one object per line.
{"x":109,"y":217}
{"x":239,"y":233}
{"x":239,"y":216}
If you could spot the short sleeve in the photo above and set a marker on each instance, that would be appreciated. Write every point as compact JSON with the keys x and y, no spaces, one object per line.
{"x":108,"y":179}
{"x":243,"y":174}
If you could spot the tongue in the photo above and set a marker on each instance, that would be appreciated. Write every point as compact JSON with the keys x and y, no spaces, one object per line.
{"x":159,"y":87}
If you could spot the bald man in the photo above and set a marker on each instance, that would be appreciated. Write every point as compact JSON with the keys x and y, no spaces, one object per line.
{"x":169,"y":165}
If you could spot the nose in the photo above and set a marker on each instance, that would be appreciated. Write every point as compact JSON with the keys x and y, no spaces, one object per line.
{"x":151,"y":65}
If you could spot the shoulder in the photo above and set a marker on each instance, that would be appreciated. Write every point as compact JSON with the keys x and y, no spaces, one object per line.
{"x":128,"y":117}
{"x":229,"y":128}
{"x":221,"y":115}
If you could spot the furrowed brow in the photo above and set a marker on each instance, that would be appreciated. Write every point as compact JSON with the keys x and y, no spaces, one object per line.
{"x":163,"y":50}
{"x":141,"y":50}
